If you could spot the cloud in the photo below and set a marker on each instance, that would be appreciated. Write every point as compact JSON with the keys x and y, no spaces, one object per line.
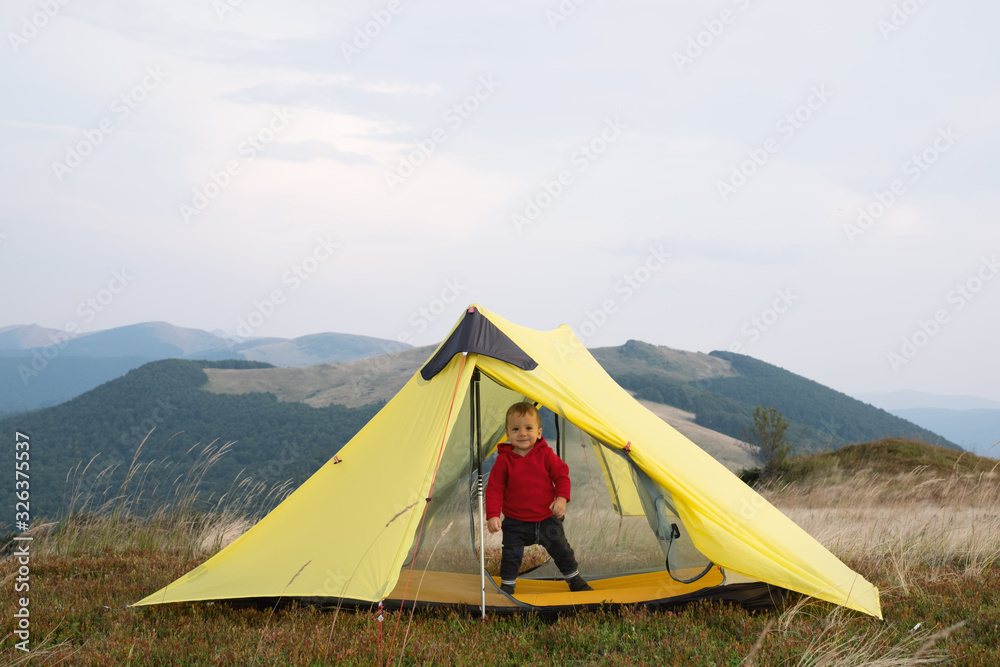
{"x":307,"y":151}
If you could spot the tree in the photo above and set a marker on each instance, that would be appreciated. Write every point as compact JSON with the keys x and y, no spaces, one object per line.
{"x":767,"y":440}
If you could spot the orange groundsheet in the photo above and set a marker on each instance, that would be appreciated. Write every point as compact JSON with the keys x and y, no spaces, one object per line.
{"x":451,"y":588}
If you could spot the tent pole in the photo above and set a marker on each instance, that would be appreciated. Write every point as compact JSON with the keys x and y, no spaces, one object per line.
{"x":482,"y":517}
{"x":482,"y":551}
{"x":559,"y":447}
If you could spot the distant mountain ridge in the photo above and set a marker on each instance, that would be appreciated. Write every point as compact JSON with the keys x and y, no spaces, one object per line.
{"x":40,"y":366}
{"x":25,"y":336}
{"x":286,"y":422}
{"x":723,"y":388}
{"x":159,"y":415}
{"x":975,"y":430}
{"x":718,"y":391}
{"x":971,"y":421}
{"x":910,"y":400}
{"x":162,"y":340}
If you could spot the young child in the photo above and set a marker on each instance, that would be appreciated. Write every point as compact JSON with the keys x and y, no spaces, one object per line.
{"x":530,"y":485}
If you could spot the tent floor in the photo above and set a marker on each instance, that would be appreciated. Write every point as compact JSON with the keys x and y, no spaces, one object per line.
{"x":654,"y":589}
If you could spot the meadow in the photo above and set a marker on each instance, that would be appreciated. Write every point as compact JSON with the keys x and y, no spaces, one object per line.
{"x":927,"y":535}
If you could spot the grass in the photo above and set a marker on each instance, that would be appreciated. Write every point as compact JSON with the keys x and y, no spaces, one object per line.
{"x":156,"y":507}
{"x":928,"y":538}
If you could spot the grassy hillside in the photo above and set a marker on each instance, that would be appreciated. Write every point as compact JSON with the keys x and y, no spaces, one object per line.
{"x":710,"y":398}
{"x":723,"y":388}
{"x":284,"y":423}
{"x":806,"y":402}
{"x":636,"y":357}
{"x":892,"y":456}
{"x":918,"y":521}
{"x":728,"y":451}
{"x":351,"y":384}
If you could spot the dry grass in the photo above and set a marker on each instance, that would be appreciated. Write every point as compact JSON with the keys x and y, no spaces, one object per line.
{"x":929,"y":539}
{"x":838,"y":643}
{"x":923,"y":519}
{"x":156,"y":507}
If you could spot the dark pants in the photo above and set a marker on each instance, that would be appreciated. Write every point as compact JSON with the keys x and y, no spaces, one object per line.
{"x":549,"y":533}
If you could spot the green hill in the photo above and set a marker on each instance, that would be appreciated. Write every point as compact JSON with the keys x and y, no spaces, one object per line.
{"x":272,"y":441}
{"x":885,"y":469}
{"x":722,"y":389}
{"x":284,"y":423}
{"x":896,"y":455}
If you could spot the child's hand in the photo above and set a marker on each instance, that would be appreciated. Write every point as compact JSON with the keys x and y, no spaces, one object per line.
{"x":558,"y":507}
{"x":493,"y":525}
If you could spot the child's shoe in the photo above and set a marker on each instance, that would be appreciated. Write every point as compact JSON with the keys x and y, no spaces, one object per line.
{"x":508,"y":588}
{"x":578,"y":583}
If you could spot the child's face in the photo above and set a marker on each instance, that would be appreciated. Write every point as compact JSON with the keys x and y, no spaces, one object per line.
{"x":523,"y":431}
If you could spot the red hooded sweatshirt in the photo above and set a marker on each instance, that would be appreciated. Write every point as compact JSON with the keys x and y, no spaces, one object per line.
{"x":523,"y":487}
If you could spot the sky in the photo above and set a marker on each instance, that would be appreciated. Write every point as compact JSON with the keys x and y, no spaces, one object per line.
{"x":812,"y":184}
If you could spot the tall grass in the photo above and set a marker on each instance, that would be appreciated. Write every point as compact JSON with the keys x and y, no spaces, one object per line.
{"x":837,"y":642}
{"x":903,"y":522}
{"x":158,"y":505}
{"x":929,"y":540}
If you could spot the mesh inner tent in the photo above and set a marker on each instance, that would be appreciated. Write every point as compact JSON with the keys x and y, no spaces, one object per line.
{"x":618,"y":522}
{"x":449,"y":542}
{"x":611,"y":521}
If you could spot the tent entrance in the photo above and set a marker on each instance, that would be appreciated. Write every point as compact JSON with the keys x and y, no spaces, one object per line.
{"x":620,"y":523}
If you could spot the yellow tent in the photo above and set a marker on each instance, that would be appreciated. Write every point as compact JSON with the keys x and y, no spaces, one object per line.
{"x":378,"y":521}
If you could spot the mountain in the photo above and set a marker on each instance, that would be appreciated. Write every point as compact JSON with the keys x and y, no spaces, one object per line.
{"x":351,"y":384}
{"x":40,"y":367}
{"x":976,"y":430}
{"x":159,"y":416}
{"x":161,"y":340}
{"x":23,"y":337}
{"x":711,"y":395}
{"x":907,"y":399}
{"x":971,"y":421}
{"x":359,"y":383}
{"x":23,"y":388}
{"x":284,"y":423}
{"x":322,"y":348}
{"x":723,"y":388}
